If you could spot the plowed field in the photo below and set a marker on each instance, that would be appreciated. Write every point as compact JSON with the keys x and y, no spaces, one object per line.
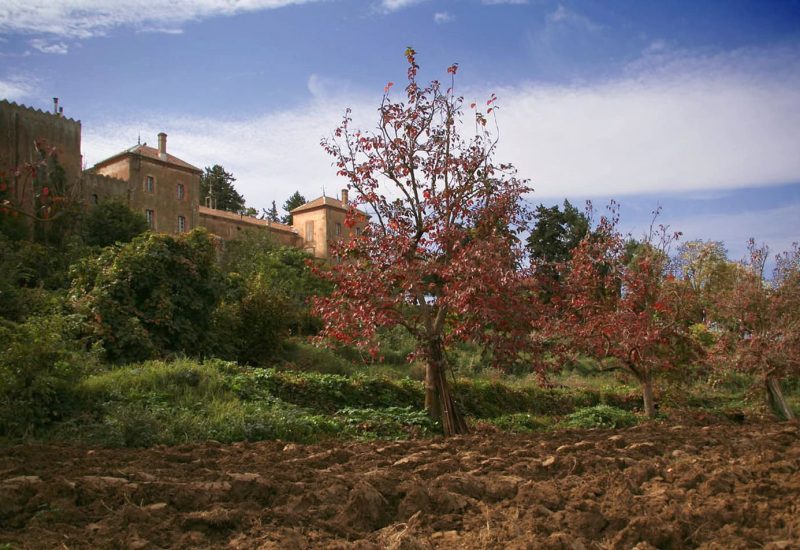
{"x":653,"y":486}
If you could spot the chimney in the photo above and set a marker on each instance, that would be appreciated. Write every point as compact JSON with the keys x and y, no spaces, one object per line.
{"x":55,"y":106}
{"x":162,"y":146}
{"x":344,"y":196}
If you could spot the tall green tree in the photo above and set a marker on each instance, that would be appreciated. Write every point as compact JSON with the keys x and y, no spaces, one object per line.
{"x":291,"y":203}
{"x":554,"y":236}
{"x":556,"y":233}
{"x":272,"y":213}
{"x":218,"y":184}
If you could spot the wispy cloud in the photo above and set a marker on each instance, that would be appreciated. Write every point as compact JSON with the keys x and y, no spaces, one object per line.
{"x":78,"y":19}
{"x":441,"y":17}
{"x":389,"y":6}
{"x":48,"y":47}
{"x":686,"y":125}
{"x":567,"y":17}
{"x":160,"y":30}
{"x":17,"y":88}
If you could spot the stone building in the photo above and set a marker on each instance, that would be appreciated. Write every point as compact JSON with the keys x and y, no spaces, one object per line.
{"x":322,"y":221}
{"x":165,"y":188}
{"x":229,"y":225}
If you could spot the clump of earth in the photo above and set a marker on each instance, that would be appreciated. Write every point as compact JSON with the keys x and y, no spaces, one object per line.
{"x":652,"y":486}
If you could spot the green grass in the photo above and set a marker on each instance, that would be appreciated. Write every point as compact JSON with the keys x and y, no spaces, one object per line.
{"x":600,"y":416}
{"x":182,"y":401}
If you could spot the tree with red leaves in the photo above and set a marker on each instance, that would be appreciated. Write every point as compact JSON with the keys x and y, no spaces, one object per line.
{"x":758,"y":321}
{"x":619,"y":301}
{"x":440,"y":256}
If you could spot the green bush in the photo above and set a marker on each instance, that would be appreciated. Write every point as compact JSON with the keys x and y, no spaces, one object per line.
{"x":521,"y":422}
{"x":600,"y":416}
{"x":40,"y":362}
{"x":252,"y":325}
{"x":112,"y":222}
{"x":184,"y":401}
{"x":302,"y":356}
{"x":285,"y":270}
{"x":387,"y":423}
{"x":151,"y":297}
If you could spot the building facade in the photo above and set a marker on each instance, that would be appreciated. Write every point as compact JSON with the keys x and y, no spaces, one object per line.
{"x":163,"y":187}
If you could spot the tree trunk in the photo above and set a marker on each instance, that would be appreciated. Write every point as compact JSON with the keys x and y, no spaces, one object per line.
{"x":776,"y":399}
{"x":439,"y":400}
{"x":647,"y":396}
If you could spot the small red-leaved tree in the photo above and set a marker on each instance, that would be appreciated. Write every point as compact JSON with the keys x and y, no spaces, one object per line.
{"x":440,"y":255}
{"x":758,"y":321}
{"x":617,"y":300}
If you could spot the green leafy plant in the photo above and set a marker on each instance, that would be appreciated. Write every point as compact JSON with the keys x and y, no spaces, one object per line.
{"x":40,"y":361}
{"x":387,"y":423}
{"x":600,"y":416}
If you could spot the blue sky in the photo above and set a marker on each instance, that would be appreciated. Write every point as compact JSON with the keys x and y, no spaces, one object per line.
{"x":689,"y":105}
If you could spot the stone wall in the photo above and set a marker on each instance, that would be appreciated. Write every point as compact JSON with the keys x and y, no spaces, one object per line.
{"x":98,"y":188}
{"x":28,"y":136}
{"x":163,"y":201}
{"x":229,"y":225}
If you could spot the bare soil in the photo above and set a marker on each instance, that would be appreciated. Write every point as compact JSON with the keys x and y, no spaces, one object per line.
{"x":654,"y":486}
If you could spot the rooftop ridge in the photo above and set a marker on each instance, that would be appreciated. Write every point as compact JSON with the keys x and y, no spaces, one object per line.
{"x":35,"y":110}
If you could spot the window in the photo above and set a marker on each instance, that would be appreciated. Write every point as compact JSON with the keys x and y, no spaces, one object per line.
{"x":338,"y":230}
{"x":149,"y":184}
{"x":181,"y":192}
{"x":358,"y":231}
{"x":181,"y":224}
{"x":309,"y":231}
{"x":151,"y":218}
{"x":95,"y":199}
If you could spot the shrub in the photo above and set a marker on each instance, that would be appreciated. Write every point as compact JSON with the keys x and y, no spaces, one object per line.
{"x":387,"y":423}
{"x":521,"y":422}
{"x":151,"y":297}
{"x":600,"y":416}
{"x":40,"y":362}
{"x":252,"y":327}
{"x":112,"y":222}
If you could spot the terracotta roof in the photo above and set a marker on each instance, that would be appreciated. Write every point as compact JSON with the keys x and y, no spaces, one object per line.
{"x":233,"y":216}
{"x":322,"y":201}
{"x":152,"y":153}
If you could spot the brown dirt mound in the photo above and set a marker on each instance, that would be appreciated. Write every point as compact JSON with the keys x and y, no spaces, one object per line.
{"x":652,"y":486}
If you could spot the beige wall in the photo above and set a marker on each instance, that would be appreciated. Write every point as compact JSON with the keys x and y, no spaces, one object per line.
{"x":227,"y":226}
{"x":325,"y":218}
{"x":103,"y":188}
{"x":163,"y":201}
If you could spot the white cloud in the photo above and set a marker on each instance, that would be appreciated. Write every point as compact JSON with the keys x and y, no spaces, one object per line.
{"x":722,"y":122}
{"x":86,"y":18}
{"x":564,"y":16}
{"x":323,"y":87}
{"x":442,"y":17}
{"x":48,"y":47}
{"x":726,"y":121}
{"x":160,"y":30}
{"x":388,"y":6}
{"x":16,"y":88}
